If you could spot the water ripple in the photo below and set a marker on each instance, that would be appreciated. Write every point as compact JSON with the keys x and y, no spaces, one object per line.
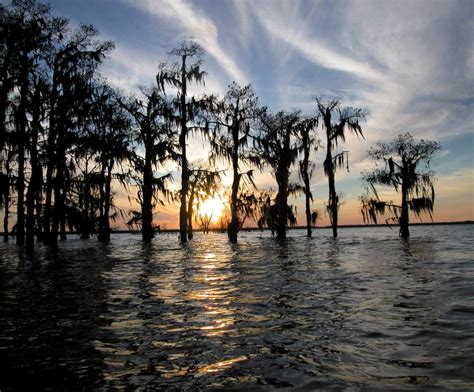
{"x":366,"y":311}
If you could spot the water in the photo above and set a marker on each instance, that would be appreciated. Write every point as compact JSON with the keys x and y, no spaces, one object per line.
{"x":367,"y":311}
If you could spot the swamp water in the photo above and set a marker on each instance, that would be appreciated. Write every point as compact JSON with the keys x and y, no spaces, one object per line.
{"x":366,"y":311}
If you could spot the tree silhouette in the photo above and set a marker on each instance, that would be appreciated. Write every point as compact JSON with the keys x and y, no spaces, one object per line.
{"x":155,"y":134}
{"x":179,"y":76}
{"x":112,"y":143}
{"x":401,"y":160}
{"x":28,"y":34}
{"x":8,"y":38}
{"x":73,"y":66}
{"x":250,"y":205}
{"x":277,"y":145}
{"x":306,"y":132}
{"x":66,"y":137}
{"x":7,"y":184}
{"x":267,"y":212}
{"x":82,"y":197}
{"x":231,"y":119}
{"x":346,"y":119}
{"x":38,"y":108}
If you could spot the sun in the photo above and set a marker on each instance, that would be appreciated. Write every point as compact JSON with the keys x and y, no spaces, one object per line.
{"x":213,"y":208}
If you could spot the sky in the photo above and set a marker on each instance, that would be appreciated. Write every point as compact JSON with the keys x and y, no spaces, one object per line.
{"x":409,"y":63}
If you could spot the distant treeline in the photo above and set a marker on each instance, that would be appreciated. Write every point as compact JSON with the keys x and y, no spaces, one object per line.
{"x":67,"y":138}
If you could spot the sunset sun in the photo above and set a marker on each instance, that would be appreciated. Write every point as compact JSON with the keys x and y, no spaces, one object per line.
{"x":213,"y":208}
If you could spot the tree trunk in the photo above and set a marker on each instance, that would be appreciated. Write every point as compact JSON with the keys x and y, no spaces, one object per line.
{"x":20,"y":223}
{"x":183,"y":231}
{"x":21,"y":140}
{"x":282,"y":176}
{"x":104,"y":234}
{"x":51,"y":157}
{"x":404,"y":217}
{"x":147,"y":207}
{"x":333,"y":201}
{"x":282,"y":214}
{"x":234,"y":224}
{"x":6,"y":211}
{"x":190,"y":216}
{"x":53,"y":233}
{"x":307,"y":207}
{"x":38,"y":201}
{"x":6,"y":196}
{"x":62,"y":230}
{"x":282,"y":203}
{"x":100,"y":236}
{"x":329,"y":170}
{"x":31,"y":195}
{"x":4,"y":91}
{"x":108,"y":187}
{"x":33,"y":201}
{"x":184,"y":191}
{"x":333,"y":198}
{"x":48,"y":192}
{"x":84,"y":228}
{"x":104,"y":207}
{"x":305,"y":175}
{"x":30,"y":206}
{"x":190,"y":207}
{"x":3,"y":110}
{"x":59,"y":191}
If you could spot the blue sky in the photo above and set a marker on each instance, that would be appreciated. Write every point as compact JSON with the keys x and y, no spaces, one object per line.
{"x":409,"y":63}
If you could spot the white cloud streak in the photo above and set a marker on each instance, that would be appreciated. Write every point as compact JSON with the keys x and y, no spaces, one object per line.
{"x":197,"y":25}
{"x":402,"y":54}
{"x":311,"y":47}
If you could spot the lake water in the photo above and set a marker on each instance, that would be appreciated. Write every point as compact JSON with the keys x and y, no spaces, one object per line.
{"x":366,"y":311}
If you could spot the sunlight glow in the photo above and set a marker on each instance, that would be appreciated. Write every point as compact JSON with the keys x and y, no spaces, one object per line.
{"x":212,"y":208}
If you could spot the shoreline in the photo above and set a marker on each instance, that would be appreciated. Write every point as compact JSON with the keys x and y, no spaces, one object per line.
{"x":251,"y":229}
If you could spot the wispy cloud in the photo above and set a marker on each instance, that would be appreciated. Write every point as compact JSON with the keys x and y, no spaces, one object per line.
{"x":196,"y":25}
{"x":128,"y":67}
{"x":296,"y":33}
{"x":403,"y":55}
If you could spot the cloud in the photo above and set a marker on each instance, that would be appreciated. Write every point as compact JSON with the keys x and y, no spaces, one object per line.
{"x":313,"y":49}
{"x":409,"y":63}
{"x":197,"y":25}
{"x":128,"y":67}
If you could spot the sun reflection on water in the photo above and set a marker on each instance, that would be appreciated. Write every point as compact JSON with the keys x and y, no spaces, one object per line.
{"x":212,"y":294}
{"x":221,"y":365}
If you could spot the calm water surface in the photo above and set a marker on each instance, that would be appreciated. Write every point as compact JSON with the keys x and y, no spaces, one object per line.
{"x":367,"y":311}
